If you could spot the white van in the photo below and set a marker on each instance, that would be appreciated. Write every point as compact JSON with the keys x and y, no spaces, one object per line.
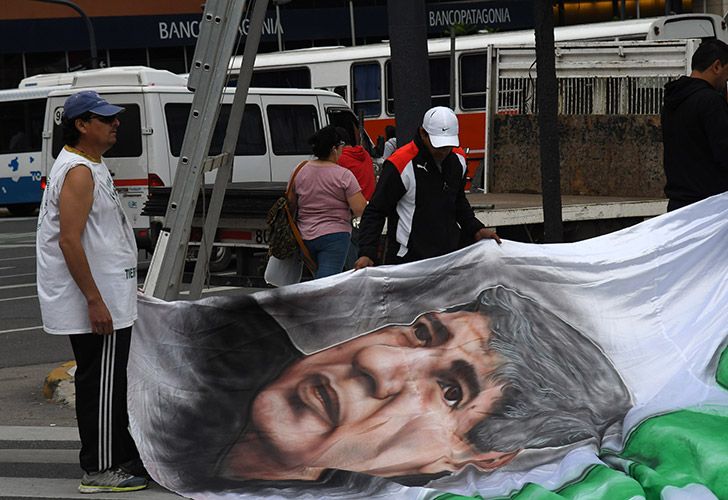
{"x":272,"y":140}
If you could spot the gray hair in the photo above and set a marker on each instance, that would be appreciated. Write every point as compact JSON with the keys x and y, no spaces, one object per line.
{"x":558,"y":386}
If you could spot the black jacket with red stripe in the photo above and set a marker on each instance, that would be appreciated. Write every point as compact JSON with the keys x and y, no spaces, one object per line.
{"x":425,"y":208}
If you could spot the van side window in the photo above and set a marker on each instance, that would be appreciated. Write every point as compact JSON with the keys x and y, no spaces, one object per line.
{"x":472,"y":81}
{"x":22,"y":125}
{"x":367,"y":89}
{"x":290,"y":128}
{"x":251,"y":139}
{"x":128,"y":136}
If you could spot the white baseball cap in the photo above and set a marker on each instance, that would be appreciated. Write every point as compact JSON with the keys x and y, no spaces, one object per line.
{"x":441,"y":125}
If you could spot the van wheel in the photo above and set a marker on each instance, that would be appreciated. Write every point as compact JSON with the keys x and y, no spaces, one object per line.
{"x":22,"y":210}
{"x":220,"y":258}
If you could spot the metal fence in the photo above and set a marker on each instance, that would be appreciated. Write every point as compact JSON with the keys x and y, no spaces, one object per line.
{"x":611,"y":95}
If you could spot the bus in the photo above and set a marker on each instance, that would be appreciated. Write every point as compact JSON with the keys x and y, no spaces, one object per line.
{"x":22,"y":112}
{"x":362,"y":75}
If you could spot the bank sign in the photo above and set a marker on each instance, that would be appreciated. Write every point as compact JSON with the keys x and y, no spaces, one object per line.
{"x":490,"y":15}
{"x":126,"y":32}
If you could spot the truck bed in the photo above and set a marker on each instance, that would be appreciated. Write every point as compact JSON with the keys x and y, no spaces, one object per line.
{"x":242,"y":221}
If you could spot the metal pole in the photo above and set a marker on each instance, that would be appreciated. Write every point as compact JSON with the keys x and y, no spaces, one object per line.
{"x":351,"y":22}
{"x":637,"y":7}
{"x":453,"y":61}
{"x":89,"y":28}
{"x":623,"y":10}
{"x":279,"y":28}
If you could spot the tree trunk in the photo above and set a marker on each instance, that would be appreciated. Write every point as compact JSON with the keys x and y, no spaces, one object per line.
{"x":410,"y":66}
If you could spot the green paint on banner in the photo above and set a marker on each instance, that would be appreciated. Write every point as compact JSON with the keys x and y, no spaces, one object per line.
{"x":603,"y":483}
{"x":678,"y":449}
{"x":721,"y":374}
{"x":599,"y":483}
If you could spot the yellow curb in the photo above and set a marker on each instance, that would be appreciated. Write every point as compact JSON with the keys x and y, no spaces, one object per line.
{"x":55,"y":377}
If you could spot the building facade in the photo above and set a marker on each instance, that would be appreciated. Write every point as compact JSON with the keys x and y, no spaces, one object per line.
{"x":40,"y":37}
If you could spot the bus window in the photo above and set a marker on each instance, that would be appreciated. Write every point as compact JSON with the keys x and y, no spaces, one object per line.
{"x":22,"y":126}
{"x":128,"y":136}
{"x":367,"y":90}
{"x":472,"y":81}
{"x":440,"y":81}
{"x":251,"y":139}
{"x":290,"y":127}
{"x":344,"y":118}
{"x":295,"y":78}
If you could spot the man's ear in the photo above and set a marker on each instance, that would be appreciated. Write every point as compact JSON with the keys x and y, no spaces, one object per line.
{"x":716,"y":67}
{"x":489,"y":460}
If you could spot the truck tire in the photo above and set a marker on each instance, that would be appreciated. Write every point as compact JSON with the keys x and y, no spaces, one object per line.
{"x":23,"y":209}
{"x":220,"y":259}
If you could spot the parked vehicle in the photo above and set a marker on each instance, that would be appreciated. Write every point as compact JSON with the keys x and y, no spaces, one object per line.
{"x":363,"y":74}
{"x":22,"y":112}
{"x":272,"y":140}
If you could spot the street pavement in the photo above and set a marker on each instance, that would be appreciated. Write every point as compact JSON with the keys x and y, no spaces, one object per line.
{"x":38,"y":436}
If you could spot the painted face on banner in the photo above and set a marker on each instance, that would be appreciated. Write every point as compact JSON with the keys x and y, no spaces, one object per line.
{"x":395,"y":402}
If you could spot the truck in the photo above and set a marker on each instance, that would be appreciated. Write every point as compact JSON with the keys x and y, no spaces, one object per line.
{"x":610,"y":94}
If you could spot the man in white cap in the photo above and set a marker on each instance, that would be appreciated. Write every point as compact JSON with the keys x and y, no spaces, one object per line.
{"x":86,"y":277}
{"x":421,"y":194}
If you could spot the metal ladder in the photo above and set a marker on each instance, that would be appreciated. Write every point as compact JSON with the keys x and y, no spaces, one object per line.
{"x":218,"y":32}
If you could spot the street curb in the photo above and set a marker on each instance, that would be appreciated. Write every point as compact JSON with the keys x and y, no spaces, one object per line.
{"x":58,"y":385}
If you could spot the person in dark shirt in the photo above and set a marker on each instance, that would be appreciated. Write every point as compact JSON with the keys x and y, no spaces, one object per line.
{"x":421,"y":194}
{"x":695,"y":128}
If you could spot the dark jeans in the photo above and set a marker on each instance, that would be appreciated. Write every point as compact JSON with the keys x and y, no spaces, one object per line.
{"x":329,"y":251}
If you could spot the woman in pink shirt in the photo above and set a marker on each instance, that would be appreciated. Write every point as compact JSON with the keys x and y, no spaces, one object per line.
{"x":324,"y":196}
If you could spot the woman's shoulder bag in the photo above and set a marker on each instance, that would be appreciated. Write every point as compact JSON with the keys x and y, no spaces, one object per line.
{"x":285,"y":239}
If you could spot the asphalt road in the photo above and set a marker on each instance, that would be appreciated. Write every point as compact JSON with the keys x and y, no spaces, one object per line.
{"x":38,"y":438}
{"x":22,"y":339}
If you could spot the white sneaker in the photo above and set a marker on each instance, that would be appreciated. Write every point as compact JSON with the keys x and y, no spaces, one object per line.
{"x":111,"y":480}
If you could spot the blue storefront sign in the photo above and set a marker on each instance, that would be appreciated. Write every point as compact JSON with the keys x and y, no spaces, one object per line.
{"x":48,"y":35}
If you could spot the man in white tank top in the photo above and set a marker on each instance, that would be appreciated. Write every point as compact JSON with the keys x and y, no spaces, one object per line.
{"x":86,"y":278}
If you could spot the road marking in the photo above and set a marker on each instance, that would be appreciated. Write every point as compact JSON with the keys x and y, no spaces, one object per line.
{"x":19,"y":298}
{"x":16,"y":219}
{"x":39,"y":456}
{"x":19,"y":245}
{"x":18,"y":258}
{"x":14,"y":275}
{"x":24,"y":285}
{"x":26,"y":329}
{"x":37,"y":433}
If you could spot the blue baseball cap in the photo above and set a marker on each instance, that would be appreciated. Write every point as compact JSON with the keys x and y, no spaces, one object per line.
{"x":88,"y":100}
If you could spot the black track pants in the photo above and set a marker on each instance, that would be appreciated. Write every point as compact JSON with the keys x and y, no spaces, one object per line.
{"x":101,"y":399}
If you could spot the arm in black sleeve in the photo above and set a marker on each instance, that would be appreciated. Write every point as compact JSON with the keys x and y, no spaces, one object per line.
{"x":715,"y":124}
{"x":464,"y":213}
{"x":384,"y":201}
